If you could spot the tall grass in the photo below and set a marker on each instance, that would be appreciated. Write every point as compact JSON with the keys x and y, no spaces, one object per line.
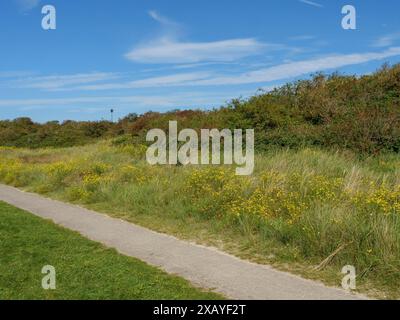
{"x":298,"y":207}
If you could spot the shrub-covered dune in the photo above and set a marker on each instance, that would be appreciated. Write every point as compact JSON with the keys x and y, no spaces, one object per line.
{"x":361,"y":114}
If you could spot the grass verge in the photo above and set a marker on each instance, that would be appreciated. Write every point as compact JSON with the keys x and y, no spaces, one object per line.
{"x":84,"y":269}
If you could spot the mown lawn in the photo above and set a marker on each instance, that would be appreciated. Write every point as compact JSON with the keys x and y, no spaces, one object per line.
{"x":84,"y":269}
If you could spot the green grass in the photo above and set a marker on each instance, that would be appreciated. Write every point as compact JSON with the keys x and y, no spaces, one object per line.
{"x":84,"y":269}
{"x":294,"y":211}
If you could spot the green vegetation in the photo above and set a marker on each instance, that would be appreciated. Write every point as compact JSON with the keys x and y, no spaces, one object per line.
{"x":23,"y":132}
{"x":296,"y":209}
{"x":85,"y":269}
{"x":326,"y":180}
{"x":361,"y":114}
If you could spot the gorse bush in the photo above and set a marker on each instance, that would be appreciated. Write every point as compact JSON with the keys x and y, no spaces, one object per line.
{"x":331,"y":111}
{"x":288,"y":195}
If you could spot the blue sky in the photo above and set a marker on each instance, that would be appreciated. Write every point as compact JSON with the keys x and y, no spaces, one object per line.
{"x":141,"y":55}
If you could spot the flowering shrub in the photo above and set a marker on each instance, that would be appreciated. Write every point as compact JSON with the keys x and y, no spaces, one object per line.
{"x":380,"y":199}
{"x":130,"y":173}
{"x":11,"y":171}
{"x":215,"y":189}
{"x":57,"y":171}
{"x":274,"y":194}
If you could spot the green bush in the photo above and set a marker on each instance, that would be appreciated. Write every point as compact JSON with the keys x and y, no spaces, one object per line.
{"x":336,"y":111}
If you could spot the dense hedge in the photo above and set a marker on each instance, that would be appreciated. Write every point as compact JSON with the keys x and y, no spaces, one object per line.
{"x":332,"y":111}
{"x":22,"y":132}
{"x":335,"y":111}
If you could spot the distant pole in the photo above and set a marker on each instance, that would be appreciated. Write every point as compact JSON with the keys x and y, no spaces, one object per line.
{"x":112,"y":115}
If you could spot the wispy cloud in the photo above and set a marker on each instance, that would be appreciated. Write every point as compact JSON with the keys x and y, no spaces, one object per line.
{"x":312,"y":3}
{"x":299,"y":68}
{"x":26,"y":5}
{"x":188,"y":99}
{"x":56,"y":82}
{"x":161,"y":19}
{"x":386,"y":40}
{"x":171,"y":51}
{"x":169,"y":80}
{"x":169,"y":48}
{"x":283,"y":71}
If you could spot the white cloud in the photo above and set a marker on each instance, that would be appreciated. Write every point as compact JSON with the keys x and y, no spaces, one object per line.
{"x":172,"y":51}
{"x":56,"y":82}
{"x":298,"y":68}
{"x":26,"y":5}
{"x":312,"y":3}
{"x":386,"y":41}
{"x":70,"y":101}
{"x":169,"y":80}
{"x":283,"y":71}
{"x":189,"y":99}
